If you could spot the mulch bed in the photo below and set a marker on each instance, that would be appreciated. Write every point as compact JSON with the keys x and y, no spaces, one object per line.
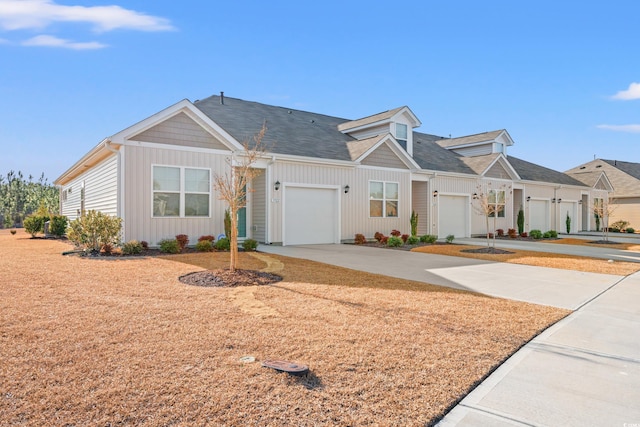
{"x":225,"y":278}
{"x":487,"y":251}
{"x":604,"y":242}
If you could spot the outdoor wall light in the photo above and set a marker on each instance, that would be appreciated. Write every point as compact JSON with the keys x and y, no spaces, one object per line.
{"x":346,"y":189}
{"x":475,"y":195}
{"x":559,"y":200}
{"x":277,"y":185}
{"x":435,"y":193}
{"x":553,"y":200}
{"x":528,"y":198}
{"x":579,"y":202}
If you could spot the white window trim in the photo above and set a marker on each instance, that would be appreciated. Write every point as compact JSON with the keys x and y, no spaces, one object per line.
{"x":406,"y":137}
{"x":384,"y":198}
{"x":502,"y":213}
{"x":182,"y":192}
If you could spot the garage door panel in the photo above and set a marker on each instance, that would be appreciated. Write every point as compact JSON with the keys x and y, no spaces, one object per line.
{"x":539,"y":215}
{"x":453,"y":216}
{"x":310,"y":216}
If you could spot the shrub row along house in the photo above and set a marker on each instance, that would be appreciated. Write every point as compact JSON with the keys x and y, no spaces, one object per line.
{"x":322,"y":180}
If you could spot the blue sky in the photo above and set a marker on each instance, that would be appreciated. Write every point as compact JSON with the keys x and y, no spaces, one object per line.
{"x":564,"y":81}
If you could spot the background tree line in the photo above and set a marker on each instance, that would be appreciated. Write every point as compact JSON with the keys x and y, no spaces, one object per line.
{"x":20,"y":197}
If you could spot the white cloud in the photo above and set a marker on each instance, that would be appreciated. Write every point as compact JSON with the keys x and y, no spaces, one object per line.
{"x":621,"y":128}
{"x":51,"y":41}
{"x":632,"y":93}
{"x":38,"y":14}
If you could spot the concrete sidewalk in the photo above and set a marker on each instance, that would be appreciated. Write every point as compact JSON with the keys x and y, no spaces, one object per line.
{"x":582,"y":371}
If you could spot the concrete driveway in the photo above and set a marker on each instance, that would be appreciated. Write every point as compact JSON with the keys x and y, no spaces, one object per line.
{"x":582,"y":371}
{"x":546,"y":286}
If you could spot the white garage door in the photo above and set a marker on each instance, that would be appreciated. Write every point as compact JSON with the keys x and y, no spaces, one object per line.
{"x":453,"y":216}
{"x":539,"y":215}
{"x":310,"y":216}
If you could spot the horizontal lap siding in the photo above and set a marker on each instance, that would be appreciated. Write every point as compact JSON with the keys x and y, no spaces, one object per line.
{"x":139,"y":223}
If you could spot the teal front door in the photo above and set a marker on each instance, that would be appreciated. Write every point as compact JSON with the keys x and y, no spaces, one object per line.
{"x":242,"y":223}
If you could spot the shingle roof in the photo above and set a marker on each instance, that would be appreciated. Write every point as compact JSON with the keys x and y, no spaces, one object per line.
{"x":351,"y":124}
{"x":358,"y":147}
{"x":431,"y":156}
{"x":470,"y":139}
{"x":289,"y":131}
{"x":532,"y":172}
{"x":480,"y":163}
{"x":624,"y":176}
{"x":629,"y":168}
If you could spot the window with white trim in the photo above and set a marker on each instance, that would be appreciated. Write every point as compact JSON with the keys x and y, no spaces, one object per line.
{"x":497,"y":203}
{"x":401,"y":134}
{"x":181,"y":191}
{"x":383,"y":199}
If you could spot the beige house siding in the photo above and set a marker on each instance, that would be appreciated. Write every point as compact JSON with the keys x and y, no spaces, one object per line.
{"x":180,"y":130}
{"x":258,"y":208}
{"x":139,"y":223}
{"x":384,"y":157}
{"x":478,"y":150}
{"x":627,"y":209}
{"x":100,"y":190}
{"x":498,"y":171}
{"x":354,"y":206}
{"x":420,"y":203}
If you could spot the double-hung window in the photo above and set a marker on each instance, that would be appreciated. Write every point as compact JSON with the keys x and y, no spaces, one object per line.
{"x":496,"y":201}
{"x":383,"y":199}
{"x":181,"y":191}
{"x":401,"y":134}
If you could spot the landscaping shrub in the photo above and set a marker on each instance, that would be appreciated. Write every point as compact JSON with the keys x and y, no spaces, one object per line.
{"x":546,"y":235}
{"x":428,"y":238}
{"x":414,"y":223}
{"x":524,"y":234}
{"x":450,"y":238}
{"x":58,"y":225}
{"x":183,"y":241}
{"x":131,"y":247}
{"x":630,"y":230}
{"x":208,"y":237}
{"x":223,"y":244}
{"x":619,"y":225}
{"x":520,"y":221}
{"x":34,"y":224}
{"x":552,"y":234}
{"x":227,"y":223}
{"x":536,"y":234}
{"x":568,"y":223}
{"x":169,"y":246}
{"x":500,"y":232}
{"x":378,"y":236}
{"x":250,"y":245}
{"x":413,"y":240}
{"x":145,"y":244}
{"x":204,"y":245}
{"x":395,"y":233}
{"x":107,"y":248}
{"x":94,"y":230}
{"x":404,"y":238}
{"x":394,"y":241}
{"x":512,"y":233}
{"x":360,"y":239}
{"x":384,"y":240}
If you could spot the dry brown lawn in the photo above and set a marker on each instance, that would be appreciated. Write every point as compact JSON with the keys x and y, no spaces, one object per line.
{"x":574,"y":241}
{"x":538,"y":259}
{"x":123,"y":342}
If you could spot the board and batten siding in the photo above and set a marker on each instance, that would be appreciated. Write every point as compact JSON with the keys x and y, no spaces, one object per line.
{"x":139,"y":222}
{"x":477,"y":150}
{"x":420,"y":204}
{"x":100,"y":190}
{"x":259,"y":207}
{"x":354,"y":206}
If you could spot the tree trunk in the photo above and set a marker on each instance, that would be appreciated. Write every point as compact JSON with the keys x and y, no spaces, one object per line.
{"x":233,"y":239}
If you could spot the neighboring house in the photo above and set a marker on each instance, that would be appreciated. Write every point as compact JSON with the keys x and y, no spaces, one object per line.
{"x":323,"y":179}
{"x":625,"y":180}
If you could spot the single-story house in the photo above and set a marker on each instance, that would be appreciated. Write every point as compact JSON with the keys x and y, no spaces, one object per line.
{"x":625,"y":179}
{"x":323,"y":179}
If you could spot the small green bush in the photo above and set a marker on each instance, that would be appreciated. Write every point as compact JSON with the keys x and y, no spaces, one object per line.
{"x":394,"y":241}
{"x":630,"y":230}
{"x":619,"y":225}
{"x":131,"y":247}
{"x":535,"y":234}
{"x":429,"y":238}
{"x":413,"y":240}
{"x":94,"y":230}
{"x":223,"y":244}
{"x":58,"y":225}
{"x":34,"y":224}
{"x":546,"y":235}
{"x":551,"y":234}
{"x":169,"y":246}
{"x":204,"y":246}
{"x":450,"y":238}
{"x":250,"y":245}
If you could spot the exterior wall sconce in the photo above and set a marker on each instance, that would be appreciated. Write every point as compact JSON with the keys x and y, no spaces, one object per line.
{"x":346,"y":189}
{"x":579,"y":202}
{"x":435,"y":193}
{"x":475,"y":196}
{"x":276,"y":186}
{"x":528,"y":198}
{"x":553,"y":200}
{"x":559,"y":200}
